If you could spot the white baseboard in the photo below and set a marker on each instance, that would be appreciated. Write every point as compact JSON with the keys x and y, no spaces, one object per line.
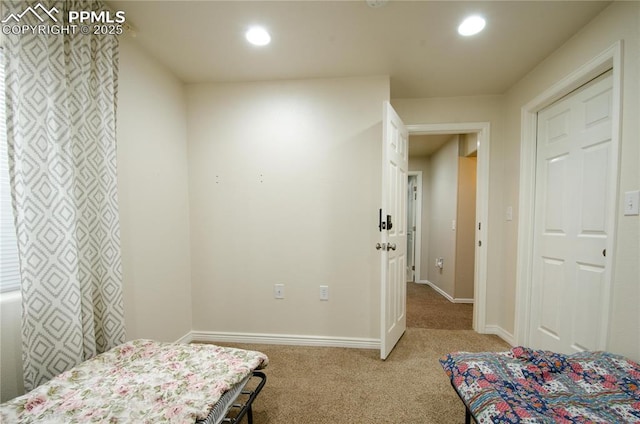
{"x":280,"y":339}
{"x":500,"y":332}
{"x":187,"y":338}
{"x":445,"y":294}
{"x":293,"y":340}
{"x":462,"y":300}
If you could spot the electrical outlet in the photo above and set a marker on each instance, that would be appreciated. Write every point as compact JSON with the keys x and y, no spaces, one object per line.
{"x":324,"y":292}
{"x":278,"y":291}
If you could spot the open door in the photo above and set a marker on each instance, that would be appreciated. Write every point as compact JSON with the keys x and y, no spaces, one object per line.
{"x":393,"y":230}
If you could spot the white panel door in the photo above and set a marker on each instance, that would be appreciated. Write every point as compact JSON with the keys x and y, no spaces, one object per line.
{"x":395,"y":167}
{"x":575,"y":169}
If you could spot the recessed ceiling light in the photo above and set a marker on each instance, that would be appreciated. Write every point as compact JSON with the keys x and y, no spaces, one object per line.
{"x":258,"y":36}
{"x":471,"y":25}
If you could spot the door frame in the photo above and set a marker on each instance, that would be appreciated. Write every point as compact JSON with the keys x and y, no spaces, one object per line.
{"x":483,"y":129}
{"x":417,"y":249}
{"x":611,"y":58}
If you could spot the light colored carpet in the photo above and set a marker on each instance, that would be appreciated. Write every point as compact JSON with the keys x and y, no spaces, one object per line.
{"x":428,"y":309}
{"x":338,"y":385}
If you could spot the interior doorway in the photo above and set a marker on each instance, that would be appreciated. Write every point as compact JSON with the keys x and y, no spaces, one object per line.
{"x":480,"y":131}
{"x":448,"y":196}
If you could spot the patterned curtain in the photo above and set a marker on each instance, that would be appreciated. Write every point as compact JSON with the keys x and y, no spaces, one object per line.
{"x":61,"y":108}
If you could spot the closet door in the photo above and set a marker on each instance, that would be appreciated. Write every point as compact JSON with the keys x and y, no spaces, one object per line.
{"x":574,"y":174}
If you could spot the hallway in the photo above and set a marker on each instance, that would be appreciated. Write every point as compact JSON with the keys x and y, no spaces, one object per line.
{"x":427,"y":309}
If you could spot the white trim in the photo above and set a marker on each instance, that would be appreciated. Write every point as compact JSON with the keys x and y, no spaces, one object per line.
{"x":418,"y":233}
{"x":439,"y":290}
{"x":610,"y":58}
{"x":482,"y":206}
{"x":280,"y":339}
{"x":187,"y":338}
{"x":445,"y":294}
{"x":502,"y":333}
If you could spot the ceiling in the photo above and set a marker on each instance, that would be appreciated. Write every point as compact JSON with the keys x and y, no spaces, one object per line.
{"x":414,"y":42}
{"x":424,"y":145}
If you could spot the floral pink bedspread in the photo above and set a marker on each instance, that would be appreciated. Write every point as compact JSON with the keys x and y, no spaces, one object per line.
{"x":141,"y":381}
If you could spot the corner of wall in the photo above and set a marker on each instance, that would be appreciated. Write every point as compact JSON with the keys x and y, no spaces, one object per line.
{"x":154,"y":200}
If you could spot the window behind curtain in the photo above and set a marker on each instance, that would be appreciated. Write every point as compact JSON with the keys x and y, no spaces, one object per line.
{"x":9,"y":266}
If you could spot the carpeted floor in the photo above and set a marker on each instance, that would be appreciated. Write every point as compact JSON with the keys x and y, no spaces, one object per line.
{"x":338,"y":385}
{"x":428,"y":309}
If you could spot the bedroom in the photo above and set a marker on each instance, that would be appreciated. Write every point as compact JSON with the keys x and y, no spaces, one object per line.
{"x":174,"y":222}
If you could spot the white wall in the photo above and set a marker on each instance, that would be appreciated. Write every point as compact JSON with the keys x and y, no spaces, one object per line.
{"x":620,"y":21}
{"x":443,"y":193}
{"x":285,"y":188}
{"x":154,"y":198}
{"x":468,"y":144}
{"x":11,"y":382}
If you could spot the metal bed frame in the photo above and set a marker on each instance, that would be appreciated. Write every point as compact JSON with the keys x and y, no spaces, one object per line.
{"x":245,"y":407}
{"x":468,"y":415}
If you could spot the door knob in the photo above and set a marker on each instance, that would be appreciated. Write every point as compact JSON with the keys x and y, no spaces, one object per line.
{"x":380,"y":246}
{"x":391,"y":246}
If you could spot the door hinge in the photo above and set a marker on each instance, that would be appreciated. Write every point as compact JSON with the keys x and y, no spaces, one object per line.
{"x":413,"y":267}
{"x":479,"y":225}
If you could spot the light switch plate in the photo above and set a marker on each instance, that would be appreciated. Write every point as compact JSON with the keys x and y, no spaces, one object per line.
{"x":324,"y":292}
{"x":278,"y":291}
{"x":632,"y":203}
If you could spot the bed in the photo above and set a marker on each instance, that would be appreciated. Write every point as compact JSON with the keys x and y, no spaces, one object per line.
{"x":144,"y":381}
{"x":533,"y":386}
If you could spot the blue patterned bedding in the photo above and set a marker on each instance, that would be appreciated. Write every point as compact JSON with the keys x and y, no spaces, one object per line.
{"x":532,"y":386}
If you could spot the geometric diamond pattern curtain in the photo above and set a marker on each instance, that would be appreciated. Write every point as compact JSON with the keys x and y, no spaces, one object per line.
{"x":61,"y":93}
